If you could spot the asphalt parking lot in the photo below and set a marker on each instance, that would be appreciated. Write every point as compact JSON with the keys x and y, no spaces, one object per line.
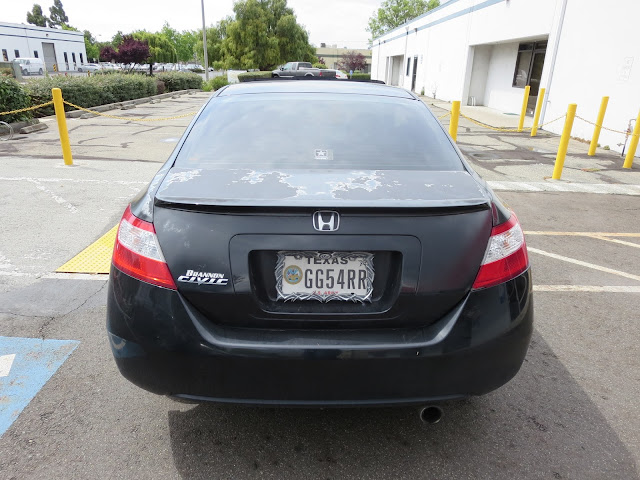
{"x":571,"y":413}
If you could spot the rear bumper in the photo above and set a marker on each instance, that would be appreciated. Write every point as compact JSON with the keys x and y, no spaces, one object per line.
{"x":163,"y":345}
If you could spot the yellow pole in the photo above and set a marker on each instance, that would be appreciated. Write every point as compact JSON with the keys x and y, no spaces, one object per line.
{"x":453,"y":123}
{"x":628,"y":161}
{"x":523,"y":112}
{"x":599,"y":121}
{"x":536,"y":116}
{"x":564,"y":141}
{"x":62,"y":126}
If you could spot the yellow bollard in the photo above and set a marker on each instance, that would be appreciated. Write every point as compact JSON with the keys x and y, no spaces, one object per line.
{"x":453,"y":123}
{"x":536,"y":116}
{"x":62,"y":126}
{"x":564,"y":141}
{"x":523,"y":112}
{"x":633,"y":146}
{"x":599,"y":121}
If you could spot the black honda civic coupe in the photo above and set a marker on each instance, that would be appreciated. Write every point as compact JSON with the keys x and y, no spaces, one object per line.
{"x":318,"y":243}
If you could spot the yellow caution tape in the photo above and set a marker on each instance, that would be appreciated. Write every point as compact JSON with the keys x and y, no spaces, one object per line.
{"x":442,"y":116}
{"x":35,"y":107}
{"x":130,"y":119}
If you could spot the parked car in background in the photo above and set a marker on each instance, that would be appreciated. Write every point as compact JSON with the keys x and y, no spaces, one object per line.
{"x":110,"y":66}
{"x":90,"y":67}
{"x":31,"y":65}
{"x":301,"y":69}
{"x":339,"y":73}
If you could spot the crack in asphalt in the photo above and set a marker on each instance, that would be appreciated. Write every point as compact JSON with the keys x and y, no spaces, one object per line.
{"x":52,"y":318}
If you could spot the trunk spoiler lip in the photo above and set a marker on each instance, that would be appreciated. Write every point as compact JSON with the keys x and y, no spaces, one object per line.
{"x":389,"y":205}
{"x":345,"y":210}
{"x":304,"y":188}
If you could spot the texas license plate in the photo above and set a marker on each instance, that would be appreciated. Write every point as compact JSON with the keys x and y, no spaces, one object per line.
{"x":324,"y":276}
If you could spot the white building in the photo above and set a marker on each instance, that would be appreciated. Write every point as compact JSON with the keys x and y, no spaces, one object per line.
{"x":488,"y":50}
{"x":62,"y":50}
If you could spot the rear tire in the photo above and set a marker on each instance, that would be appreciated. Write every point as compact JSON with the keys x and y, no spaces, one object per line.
{"x":25,"y":73}
{"x":80,"y":70}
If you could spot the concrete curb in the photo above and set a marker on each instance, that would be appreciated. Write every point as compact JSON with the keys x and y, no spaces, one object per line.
{"x":36,"y":127}
{"x":127,"y":104}
{"x":34,"y":124}
{"x":17,"y":126}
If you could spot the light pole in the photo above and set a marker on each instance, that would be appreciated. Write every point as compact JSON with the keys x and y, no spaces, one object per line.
{"x":204,"y":44}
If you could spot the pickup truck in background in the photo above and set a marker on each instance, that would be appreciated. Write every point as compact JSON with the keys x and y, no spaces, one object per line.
{"x":301,"y":69}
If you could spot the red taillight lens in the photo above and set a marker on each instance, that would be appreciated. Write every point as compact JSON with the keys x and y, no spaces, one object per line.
{"x":506,"y":256}
{"x":137,"y":252}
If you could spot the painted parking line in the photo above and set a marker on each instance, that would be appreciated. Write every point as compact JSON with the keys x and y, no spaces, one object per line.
{"x":588,"y":288}
{"x":26,"y":364}
{"x":582,"y":234}
{"x":605,"y":236}
{"x":584,"y":264}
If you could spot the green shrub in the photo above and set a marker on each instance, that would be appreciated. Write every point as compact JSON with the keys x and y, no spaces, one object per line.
{"x":250,"y":76}
{"x":321,"y":66}
{"x":13,"y":97}
{"x":160,"y":88}
{"x":174,"y":81}
{"x":91,"y":91}
{"x":215,"y":83}
{"x":220,"y":82}
{"x":361,"y":76}
{"x":6,"y":71}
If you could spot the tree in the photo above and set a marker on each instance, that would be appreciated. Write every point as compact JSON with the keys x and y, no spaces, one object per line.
{"x":184,"y":42}
{"x":264,"y":33}
{"x":160,"y":48}
{"x":117,"y":39}
{"x":352,"y":61}
{"x":57,"y":16}
{"x":108,"y":54}
{"x":132,"y":50}
{"x":36,"y":17}
{"x":215,"y":37}
{"x":394,"y":13}
{"x":90,"y":45}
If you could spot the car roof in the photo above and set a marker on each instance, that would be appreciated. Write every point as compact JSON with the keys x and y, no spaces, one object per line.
{"x":315,"y":86}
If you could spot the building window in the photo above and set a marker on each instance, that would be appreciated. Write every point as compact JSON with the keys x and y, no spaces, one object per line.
{"x":35,"y":53}
{"x":530,"y":60}
{"x":73,"y":57}
{"x":408,"y":66}
{"x":17,"y":53}
{"x":81,"y":59}
{"x":5,"y":56}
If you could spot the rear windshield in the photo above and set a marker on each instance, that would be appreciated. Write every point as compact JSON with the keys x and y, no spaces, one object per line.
{"x":318,"y":131}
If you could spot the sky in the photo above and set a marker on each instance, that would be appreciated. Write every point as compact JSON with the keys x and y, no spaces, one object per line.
{"x":340,"y":22}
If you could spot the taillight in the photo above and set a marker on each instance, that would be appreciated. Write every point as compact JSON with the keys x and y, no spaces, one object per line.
{"x":506,"y":256}
{"x":137,"y":252}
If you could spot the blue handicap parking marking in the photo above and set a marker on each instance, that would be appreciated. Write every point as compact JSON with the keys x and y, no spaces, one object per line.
{"x":26,"y":364}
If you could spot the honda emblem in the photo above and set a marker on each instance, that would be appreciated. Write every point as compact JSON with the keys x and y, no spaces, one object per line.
{"x":326,"y":221}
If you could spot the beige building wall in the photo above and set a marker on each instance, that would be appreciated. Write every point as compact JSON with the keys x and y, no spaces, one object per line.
{"x":332,"y":55}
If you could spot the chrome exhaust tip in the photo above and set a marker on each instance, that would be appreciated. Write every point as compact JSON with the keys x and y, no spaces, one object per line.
{"x":430,"y":414}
